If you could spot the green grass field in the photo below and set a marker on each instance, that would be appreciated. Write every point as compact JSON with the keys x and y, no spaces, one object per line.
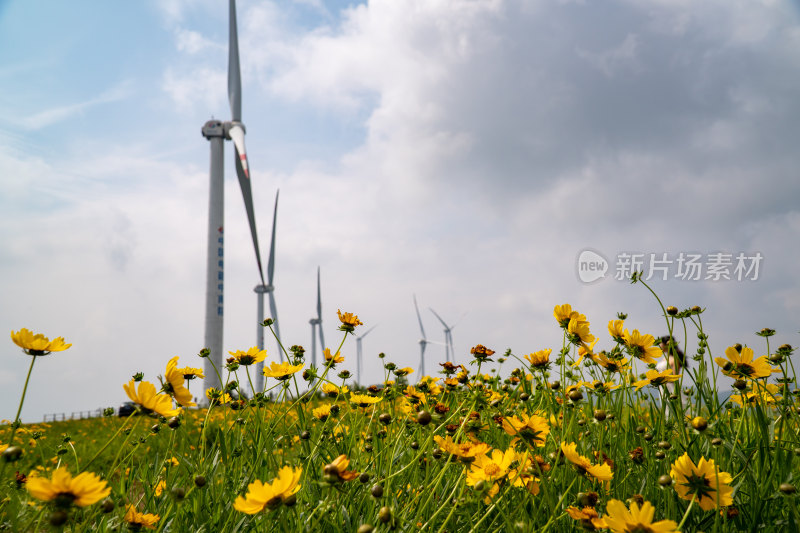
{"x":572,"y":438}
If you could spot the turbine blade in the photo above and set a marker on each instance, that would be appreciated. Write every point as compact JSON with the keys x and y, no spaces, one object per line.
{"x":459,"y":320}
{"x":366,"y":333}
{"x":247,"y":193}
{"x":319,"y":298}
{"x":271,"y":262}
{"x":236,"y":133}
{"x":234,"y":75}
{"x":419,"y":317}
{"x":440,"y":318}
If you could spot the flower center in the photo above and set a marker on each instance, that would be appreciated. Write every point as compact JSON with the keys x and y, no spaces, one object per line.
{"x":699,"y":485}
{"x":639,"y":528}
{"x":63,"y":500}
{"x":491,"y":469}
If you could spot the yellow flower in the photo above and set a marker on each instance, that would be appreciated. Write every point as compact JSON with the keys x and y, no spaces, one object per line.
{"x":620,"y":520}
{"x":332,"y":390}
{"x":159,"y":488}
{"x":540,"y":360}
{"x":322,"y":412}
{"x":521,"y":475}
{"x":37,"y":344}
{"x":584,"y":466}
{"x":532,"y":429}
{"x":349,"y":321}
{"x":337,"y":471}
{"x":599,"y":386}
{"x":191,"y":373}
{"x":704,"y":481}
{"x":766,"y":394}
{"x":82,"y":490}
{"x":490,"y":468}
{"x":617,"y":331}
{"x":584,"y":350}
{"x":174,"y":384}
{"x":742,"y":365}
{"x":217,"y":396}
{"x":281,"y":371}
{"x":656,"y":378}
{"x":147,"y":398}
{"x":269,"y":496}
{"x":481,"y":352}
{"x":578,"y":332}
{"x":609,"y":363}
{"x":137,"y":520}
{"x":563,"y":313}
{"x":332,"y":359}
{"x":588,"y":518}
{"x":362,"y":400}
{"x":250,"y":357}
{"x":400,"y":372}
{"x":467,"y":450}
{"x":414,"y":395}
{"x":642,"y":346}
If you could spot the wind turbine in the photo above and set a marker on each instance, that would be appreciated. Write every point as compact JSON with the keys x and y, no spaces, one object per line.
{"x":423,"y":342}
{"x":358,"y":354}
{"x":217,"y":132}
{"x":269,"y":288}
{"x":448,"y":336}
{"x":316,"y":325}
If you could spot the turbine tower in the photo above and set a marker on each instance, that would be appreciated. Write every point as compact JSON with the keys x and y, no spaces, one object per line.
{"x":217,"y":132}
{"x":358,"y":354}
{"x":423,"y":342}
{"x":448,"y":336}
{"x":260,"y":290}
{"x":316,"y":325}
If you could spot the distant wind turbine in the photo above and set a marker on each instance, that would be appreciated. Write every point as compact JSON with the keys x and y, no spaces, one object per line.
{"x":423,"y":342}
{"x":269,"y":288}
{"x":217,"y":132}
{"x":316,"y":325}
{"x":358,"y":354}
{"x":448,"y":336}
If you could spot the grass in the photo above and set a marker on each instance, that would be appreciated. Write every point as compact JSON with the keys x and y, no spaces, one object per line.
{"x":465,"y":451}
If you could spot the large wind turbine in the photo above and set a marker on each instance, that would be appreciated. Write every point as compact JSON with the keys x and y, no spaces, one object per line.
{"x":269,"y":288}
{"x":448,"y":336}
{"x":359,"y":354}
{"x":316,"y":325}
{"x":217,"y":132}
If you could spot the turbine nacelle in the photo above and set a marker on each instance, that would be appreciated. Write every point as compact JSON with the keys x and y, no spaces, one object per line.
{"x":263,"y":289}
{"x":315,"y":321}
{"x":214,"y":128}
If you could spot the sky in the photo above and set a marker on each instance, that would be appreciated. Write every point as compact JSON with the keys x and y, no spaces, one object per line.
{"x":486,"y":157}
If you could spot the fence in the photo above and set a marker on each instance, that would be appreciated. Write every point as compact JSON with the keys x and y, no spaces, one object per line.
{"x":75,"y":415}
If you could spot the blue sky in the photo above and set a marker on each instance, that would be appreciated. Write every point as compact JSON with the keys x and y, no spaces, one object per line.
{"x":466,"y":152}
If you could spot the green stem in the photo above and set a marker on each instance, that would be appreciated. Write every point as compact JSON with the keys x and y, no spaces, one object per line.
{"x":17,"y":421}
{"x":686,"y":514}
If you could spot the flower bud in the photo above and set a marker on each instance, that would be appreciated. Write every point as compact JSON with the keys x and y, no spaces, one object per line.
{"x":699,"y":423}
{"x":385,"y":514}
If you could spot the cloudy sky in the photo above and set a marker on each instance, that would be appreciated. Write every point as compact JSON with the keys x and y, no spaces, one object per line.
{"x":466,"y":152}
